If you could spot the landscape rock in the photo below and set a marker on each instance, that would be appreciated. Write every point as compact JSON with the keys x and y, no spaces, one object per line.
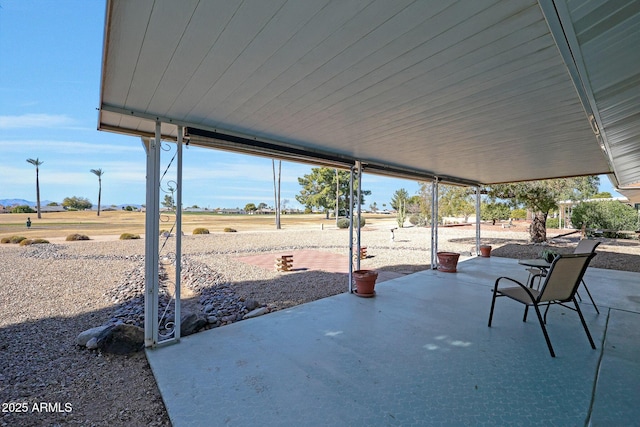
{"x":257,"y":312}
{"x":121,"y":339}
{"x":251,"y":304}
{"x":192,"y":323}
{"x":92,"y":344}
{"x":85,"y":336}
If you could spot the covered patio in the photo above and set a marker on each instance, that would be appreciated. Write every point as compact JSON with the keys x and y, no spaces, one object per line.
{"x":420,"y":353}
{"x":468,"y":92}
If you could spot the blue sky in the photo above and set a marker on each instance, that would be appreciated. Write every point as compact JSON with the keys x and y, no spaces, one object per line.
{"x":50,"y":61}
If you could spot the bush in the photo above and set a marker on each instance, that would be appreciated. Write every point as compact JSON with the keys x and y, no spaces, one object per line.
{"x":16,"y":239}
{"x":230,"y":230}
{"x":76,"y":236}
{"x":129,"y":236}
{"x":607,"y":215}
{"x":26,"y":242}
{"x":5,"y":240}
{"x":419,"y":220}
{"x":200,"y":230}
{"x":22,"y":209}
{"x":344,"y":222}
{"x":519,"y":214}
{"x":553,"y":223}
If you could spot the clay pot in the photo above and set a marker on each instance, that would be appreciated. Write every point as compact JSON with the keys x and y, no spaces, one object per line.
{"x":448,"y":261}
{"x":485,"y":251}
{"x":365,"y":282}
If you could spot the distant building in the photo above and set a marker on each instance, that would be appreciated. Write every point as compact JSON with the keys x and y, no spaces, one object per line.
{"x":54,"y":208}
{"x":226,"y":211}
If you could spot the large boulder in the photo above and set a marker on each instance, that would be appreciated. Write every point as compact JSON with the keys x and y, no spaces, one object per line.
{"x":192,"y":323}
{"x":121,"y":339}
{"x":85,"y":336}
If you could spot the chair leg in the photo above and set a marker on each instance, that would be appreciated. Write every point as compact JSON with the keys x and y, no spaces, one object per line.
{"x":546,"y":310}
{"x":544,"y":331}
{"x":493,"y":304}
{"x":584,"y":324}
{"x":590,"y":297}
{"x":526,"y":311}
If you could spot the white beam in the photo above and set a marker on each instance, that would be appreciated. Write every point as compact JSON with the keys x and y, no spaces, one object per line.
{"x":152,"y":218}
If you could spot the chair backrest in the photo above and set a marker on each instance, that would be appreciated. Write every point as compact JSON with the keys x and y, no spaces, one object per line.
{"x":586,"y":246}
{"x":564,"y":276}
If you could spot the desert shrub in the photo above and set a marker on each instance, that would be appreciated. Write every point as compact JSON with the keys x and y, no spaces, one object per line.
{"x":16,"y":239}
{"x":129,"y":236}
{"x":22,"y":209}
{"x":608,"y":215}
{"x":5,"y":240}
{"x":76,"y":236}
{"x":418,"y":219}
{"x":344,"y":222}
{"x":200,"y":230}
{"x":519,"y":214}
{"x":230,"y":230}
{"x":26,"y":242}
{"x":553,"y":222}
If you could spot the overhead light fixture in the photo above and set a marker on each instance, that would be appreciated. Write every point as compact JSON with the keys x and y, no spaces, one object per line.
{"x":594,"y":125}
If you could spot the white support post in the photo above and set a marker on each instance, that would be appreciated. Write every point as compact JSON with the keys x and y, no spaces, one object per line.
{"x":178,"y":314}
{"x":359,"y":209}
{"x":152,"y":218}
{"x":351,"y":230}
{"x":477,"y":220}
{"x":434,"y":224}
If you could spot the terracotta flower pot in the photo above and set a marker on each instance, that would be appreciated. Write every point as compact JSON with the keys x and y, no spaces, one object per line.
{"x":448,"y":261}
{"x":365,"y":282}
{"x":485,"y":251}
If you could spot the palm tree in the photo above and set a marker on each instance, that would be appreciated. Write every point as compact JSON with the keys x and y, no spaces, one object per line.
{"x":98,"y":173}
{"x":36,"y":162}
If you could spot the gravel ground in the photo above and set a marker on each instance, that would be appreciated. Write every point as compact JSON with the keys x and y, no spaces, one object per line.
{"x":50,"y":293}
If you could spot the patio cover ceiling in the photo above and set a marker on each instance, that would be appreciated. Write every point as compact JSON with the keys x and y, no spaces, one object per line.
{"x":471,"y":91}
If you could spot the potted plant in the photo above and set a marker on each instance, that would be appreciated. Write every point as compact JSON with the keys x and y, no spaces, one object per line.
{"x":448,"y":261}
{"x":365,"y":281}
{"x":548,"y":255}
{"x":485,"y":251}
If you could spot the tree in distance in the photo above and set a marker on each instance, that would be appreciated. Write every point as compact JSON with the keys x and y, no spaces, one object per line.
{"x":98,"y":173}
{"x":76,"y":203}
{"x":319,"y":190}
{"x":540,"y":197}
{"x":36,"y":162}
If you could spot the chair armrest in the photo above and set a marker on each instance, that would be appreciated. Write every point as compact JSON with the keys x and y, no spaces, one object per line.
{"x":526,"y":288}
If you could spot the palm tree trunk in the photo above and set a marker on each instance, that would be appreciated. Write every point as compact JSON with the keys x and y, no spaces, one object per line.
{"x":99,"y":193}
{"x":38,"y":192}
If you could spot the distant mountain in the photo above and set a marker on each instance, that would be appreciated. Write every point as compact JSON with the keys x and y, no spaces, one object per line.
{"x":20,"y":202}
{"x":12,"y":202}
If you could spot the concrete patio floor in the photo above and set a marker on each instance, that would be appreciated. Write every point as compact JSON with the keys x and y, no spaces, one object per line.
{"x":419,"y":353}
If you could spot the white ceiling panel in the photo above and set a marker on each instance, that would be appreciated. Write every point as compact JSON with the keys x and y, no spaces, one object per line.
{"x":475,"y":91}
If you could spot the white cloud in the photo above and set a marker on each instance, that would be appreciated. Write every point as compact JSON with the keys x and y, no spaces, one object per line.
{"x":35,"y":120}
{"x":71,"y":147}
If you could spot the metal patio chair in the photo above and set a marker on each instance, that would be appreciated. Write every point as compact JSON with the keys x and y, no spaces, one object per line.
{"x":559,"y":287}
{"x":585,"y":246}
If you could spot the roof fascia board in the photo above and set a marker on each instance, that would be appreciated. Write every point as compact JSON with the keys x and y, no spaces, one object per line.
{"x":559,"y":21}
{"x":105,"y":50}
